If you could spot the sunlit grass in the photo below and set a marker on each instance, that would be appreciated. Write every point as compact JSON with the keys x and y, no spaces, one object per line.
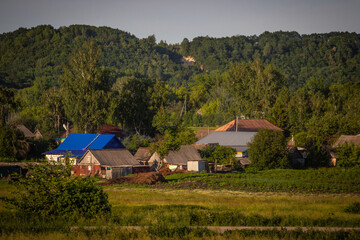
{"x":268,"y":205}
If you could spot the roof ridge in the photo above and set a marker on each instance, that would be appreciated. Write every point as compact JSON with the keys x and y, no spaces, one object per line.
{"x":91,"y":142}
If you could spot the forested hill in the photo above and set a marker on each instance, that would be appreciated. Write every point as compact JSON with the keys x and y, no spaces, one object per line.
{"x":335,"y":57}
{"x":40,"y":52}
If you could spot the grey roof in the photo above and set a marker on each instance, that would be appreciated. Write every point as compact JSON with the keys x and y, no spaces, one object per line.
{"x":181,"y":157}
{"x":240,"y":149}
{"x":25,"y":131}
{"x":228,"y":138}
{"x":355,"y":139}
{"x":143,"y":154}
{"x":112,"y":157}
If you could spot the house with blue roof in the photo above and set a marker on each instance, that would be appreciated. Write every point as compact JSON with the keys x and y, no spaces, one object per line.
{"x":78,"y":143}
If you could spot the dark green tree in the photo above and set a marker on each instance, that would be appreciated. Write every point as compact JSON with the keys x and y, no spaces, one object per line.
{"x":268,"y":150}
{"x":132,"y":143}
{"x":132,"y":104}
{"x":172,"y":139}
{"x":317,"y":156}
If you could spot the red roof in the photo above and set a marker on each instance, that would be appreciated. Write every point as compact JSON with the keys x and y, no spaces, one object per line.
{"x":111,"y":129}
{"x":248,"y":125}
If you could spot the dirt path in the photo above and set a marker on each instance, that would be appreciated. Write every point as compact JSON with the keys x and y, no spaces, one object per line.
{"x":222,"y":229}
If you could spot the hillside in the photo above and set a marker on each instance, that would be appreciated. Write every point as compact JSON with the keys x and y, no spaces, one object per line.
{"x":39,"y":52}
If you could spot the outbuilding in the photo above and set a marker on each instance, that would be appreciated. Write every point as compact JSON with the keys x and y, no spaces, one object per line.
{"x":179,"y":159}
{"x":106,"y":163}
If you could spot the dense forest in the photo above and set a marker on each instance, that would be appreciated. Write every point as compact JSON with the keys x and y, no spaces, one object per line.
{"x":301,"y":83}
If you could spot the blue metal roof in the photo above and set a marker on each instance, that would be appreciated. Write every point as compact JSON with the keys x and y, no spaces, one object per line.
{"x":78,"y":143}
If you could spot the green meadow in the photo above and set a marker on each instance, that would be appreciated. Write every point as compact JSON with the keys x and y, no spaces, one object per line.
{"x":168,"y":211}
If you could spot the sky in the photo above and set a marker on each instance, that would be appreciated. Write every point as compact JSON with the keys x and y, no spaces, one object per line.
{"x":174,"y":20}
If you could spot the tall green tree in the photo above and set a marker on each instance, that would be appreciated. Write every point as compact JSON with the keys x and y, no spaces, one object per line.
{"x":255,"y":87}
{"x":85,"y":87}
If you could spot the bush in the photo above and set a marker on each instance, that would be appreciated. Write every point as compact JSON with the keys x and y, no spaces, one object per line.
{"x":49,"y":190}
{"x":218,"y":154}
{"x":353,"y":208}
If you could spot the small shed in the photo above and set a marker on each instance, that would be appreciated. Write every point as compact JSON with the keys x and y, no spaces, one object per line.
{"x":296,"y":157}
{"x":179,"y":159}
{"x":196,"y":165}
{"x":7,"y":169}
{"x":143,"y":155}
{"x":38,"y":134}
{"x":342,"y":140}
{"x":244,"y":162}
{"x":107,"y":163}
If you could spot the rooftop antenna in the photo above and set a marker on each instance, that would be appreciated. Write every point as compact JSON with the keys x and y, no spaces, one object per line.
{"x":66,"y":127}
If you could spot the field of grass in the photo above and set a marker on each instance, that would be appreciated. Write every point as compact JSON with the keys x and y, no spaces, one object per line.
{"x":327,"y":180}
{"x":170,"y":210}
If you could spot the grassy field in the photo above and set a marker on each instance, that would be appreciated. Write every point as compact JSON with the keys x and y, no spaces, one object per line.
{"x":327,"y":180}
{"x":170,"y":211}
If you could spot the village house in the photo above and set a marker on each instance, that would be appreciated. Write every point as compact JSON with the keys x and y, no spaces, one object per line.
{"x":106,"y":163}
{"x":247,"y":125}
{"x":235,"y":140}
{"x":76,"y":144}
{"x":237,"y":134}
{"x":187,"y":158}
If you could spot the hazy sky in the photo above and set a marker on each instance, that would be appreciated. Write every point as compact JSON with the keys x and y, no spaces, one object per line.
{"x":173,"y":20}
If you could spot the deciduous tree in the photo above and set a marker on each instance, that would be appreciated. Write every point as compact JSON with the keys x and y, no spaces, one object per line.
{"x":85,"y":88}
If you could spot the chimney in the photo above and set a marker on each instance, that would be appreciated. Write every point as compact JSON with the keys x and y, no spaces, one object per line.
{"x":236,"y":123}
